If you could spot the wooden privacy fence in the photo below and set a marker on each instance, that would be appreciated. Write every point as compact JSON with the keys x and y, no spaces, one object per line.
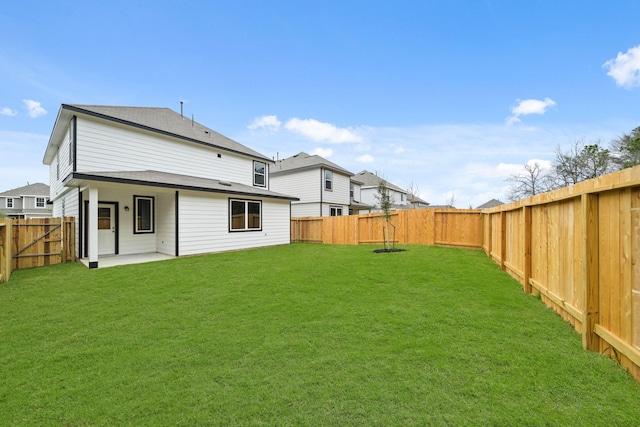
{"x":579,"y":248}
{"x":35,"y":242}
{"x":448,"y":227}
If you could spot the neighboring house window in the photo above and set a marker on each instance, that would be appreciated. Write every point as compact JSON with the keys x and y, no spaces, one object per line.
{"x":260,"y":174}
{"x":245,"y":215}
{"x":143,"y":214}
{"x":40,"y":202}
{"x":335,"y":211}
{"x":10,"y":203}
{"x":328,"y":180}
{"x":402,"y":197}
{"x":351,"y":190}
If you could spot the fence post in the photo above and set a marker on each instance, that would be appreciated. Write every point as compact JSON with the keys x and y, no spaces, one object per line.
{"x":503,"y":238}
{"x":526,"y":210}
{"x":6,"y":250}
{"x":590,"y":271}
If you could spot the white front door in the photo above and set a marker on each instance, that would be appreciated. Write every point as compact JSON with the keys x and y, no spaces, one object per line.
{"x":106,"y":230}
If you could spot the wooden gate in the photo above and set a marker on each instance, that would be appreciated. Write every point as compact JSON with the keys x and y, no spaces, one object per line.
{"x":42,"y":241}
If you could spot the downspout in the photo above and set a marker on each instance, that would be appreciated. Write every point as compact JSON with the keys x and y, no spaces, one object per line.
{"x":321,"y":188}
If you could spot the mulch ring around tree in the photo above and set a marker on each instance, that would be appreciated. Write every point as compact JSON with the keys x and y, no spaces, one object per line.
{"x":379,"y":251}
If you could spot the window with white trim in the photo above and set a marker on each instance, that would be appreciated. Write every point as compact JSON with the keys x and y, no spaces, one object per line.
{"x":245,"y":215}
{"x":335,"y":210}
{"x":328,"y":180}
{"x":259,"y":174}
{"x":143,"y":214}
{"x":40,"y":202}
{"x":10,"y":202}
{"x":351,"y":189}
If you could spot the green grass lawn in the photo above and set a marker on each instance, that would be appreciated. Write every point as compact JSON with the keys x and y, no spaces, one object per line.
{"x":297,"y":335}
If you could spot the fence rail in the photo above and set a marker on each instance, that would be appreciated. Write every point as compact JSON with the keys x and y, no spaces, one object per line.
{"x":448,"y":227}
{"x":35,"y":242}
{"x":579,"y":248}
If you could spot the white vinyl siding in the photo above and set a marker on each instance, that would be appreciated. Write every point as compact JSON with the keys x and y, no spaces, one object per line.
{"x":369,"y":197}
{"x":300,"y":210}
{"x":305,"y":185}
{"x":110,"y":147}
{"x":60,"y":168}
{"x":165,"y":223}
{"x":204,"y":224}
{"x":340,"y":193}
{"x":357,"y":196}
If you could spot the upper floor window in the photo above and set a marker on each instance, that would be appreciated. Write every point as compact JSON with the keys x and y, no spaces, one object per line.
{"x":351,"y":189}
{"x":10,"y":203}
{"x":402,"y":197}
{"x":40,"y":202}
{"x":245,"y":215}
{"x":143,"y":214}
{"x":328,"y":180}
{"x":259,"y":174}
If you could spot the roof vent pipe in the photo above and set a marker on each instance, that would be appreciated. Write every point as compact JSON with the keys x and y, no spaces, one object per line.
{"x":181,"y":115}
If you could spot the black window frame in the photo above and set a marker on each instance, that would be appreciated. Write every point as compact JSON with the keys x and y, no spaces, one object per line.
{"x":246,"y":213}
{"x":333,"y":210}
{"x":256,"y":174}
{"x":328,"y":180}
{"x":152,"y":214}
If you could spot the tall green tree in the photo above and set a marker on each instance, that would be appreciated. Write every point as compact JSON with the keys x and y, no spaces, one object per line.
{"x":625,"y":150}
{"x":579,"y":163}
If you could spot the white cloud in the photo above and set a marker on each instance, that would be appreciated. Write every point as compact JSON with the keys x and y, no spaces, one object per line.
{"x":625,"y":68}
{"x":34,"y":108}
{"x":322,"y":152}
{"x":6,"y":111}
{"x":319,"y":131}
{"x":399,"y":149}
{"x":365,"y":158}
{"x":529,"y":106}
{"x":270,"y":123}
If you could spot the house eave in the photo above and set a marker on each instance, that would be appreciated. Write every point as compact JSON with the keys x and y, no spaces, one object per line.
{"x":79,"y":179}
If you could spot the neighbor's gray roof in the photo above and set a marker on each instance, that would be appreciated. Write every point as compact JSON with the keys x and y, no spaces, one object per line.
{"x":490,"y":204}
{"x":176,"y":181}
{"x":371,"y":180}
{"x":37,"y":189}
{"x":160,"y":120}
{"x":302,"y":161}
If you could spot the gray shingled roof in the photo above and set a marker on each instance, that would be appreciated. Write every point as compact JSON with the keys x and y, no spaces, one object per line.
{"x":161,"y":120}
{"x":490,"y":204}
{"x":371,"y":180}
{"x":303,"y":161}
{"x":171,"y":180}
{"x":36,"y":189}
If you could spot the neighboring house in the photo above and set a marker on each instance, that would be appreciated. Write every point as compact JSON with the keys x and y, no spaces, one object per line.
{"x":143,"y":180}
{"x":322,"y":187}
{"x":490,"y":204}
{"x":369,"y":191}
{"x":29,"y":201}
{"x":416,"y":202}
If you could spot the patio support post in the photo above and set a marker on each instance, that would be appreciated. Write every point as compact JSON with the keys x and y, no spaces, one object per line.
{"x":92,"y":218}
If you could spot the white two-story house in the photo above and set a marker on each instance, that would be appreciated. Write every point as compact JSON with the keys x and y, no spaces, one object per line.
{"x":369,"y":191}
{"x":30,"y":201}
{"x":322,"y":187}
{"x":144,"y":180}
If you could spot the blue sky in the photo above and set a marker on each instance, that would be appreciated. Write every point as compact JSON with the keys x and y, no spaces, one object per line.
{"x":452,"y":96}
